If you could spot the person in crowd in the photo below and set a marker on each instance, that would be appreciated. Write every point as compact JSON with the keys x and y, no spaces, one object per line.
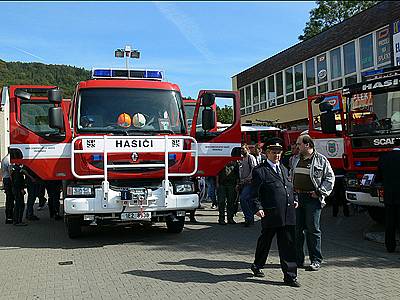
{"x":18,"y":187}
{"x":54,"y":192}
{"x":246,"y":166}
{"x":286,"y":156}
{"x":275,"y":205}
{"x":388,"y":170}
{"x":41,"y":195}
{"x":260,"y":157}
{"x":32,"y":187}
{"x":210,"y":181}
{"x":226,"y":181}
{"x":293,"y":152}
{"x":339,"y":198}
{"x":192,"y":216}
{"x":313,"y":181}
{"x":5,"y":169}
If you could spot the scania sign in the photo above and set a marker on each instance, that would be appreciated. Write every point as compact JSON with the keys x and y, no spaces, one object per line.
{"x":383,"y":141}
{"x":386,"y":141}
{"x":380,"y":84}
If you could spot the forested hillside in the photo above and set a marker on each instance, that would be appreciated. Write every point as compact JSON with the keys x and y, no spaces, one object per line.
{"x":37,"y":73}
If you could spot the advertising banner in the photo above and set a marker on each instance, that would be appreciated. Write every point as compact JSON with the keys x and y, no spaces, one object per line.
{"x":396,"y":42}
{"x":383,"y":46}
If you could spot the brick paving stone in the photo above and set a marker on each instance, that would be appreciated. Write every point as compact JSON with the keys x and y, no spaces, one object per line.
{"x":205,"y":261}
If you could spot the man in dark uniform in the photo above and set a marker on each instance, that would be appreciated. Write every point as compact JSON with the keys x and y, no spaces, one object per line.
{"x":226,"y":183}
{"x":18,"y":186}
{"x":275,"y":205}
{"x":388,"y":170}
{"x":5,"y":168}
{"x":54,"y":192}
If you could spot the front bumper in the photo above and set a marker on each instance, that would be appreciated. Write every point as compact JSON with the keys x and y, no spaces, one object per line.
{"x":361,"y":198}
{"x":156,"y":202}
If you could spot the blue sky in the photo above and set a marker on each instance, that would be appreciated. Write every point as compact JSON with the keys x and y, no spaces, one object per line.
{"x":199,"y":45}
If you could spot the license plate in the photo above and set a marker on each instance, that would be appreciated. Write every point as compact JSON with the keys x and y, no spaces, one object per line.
{"x":146,"y":215}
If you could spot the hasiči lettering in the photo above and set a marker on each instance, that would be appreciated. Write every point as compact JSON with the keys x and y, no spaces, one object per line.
{"x":134,"y":143}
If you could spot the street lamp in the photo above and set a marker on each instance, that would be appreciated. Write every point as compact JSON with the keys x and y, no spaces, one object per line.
{"x":127,"y":53}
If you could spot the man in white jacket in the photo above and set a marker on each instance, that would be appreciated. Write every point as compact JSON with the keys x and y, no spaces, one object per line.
{"x":313,"y":180}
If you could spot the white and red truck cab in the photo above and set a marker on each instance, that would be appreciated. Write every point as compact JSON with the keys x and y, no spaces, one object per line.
{"x":120,"y":147}
{"x":353,"y":128}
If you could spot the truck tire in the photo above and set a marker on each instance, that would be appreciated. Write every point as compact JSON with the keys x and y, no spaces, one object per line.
{"x":175,"y":225}
{"x":377,"y":214}
{"x":73,"y":225}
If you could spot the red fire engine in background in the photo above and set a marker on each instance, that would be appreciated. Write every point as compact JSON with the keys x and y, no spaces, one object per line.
{"x":252,"y":133}
{"x":120,"y":147}
{"x":354,"y":128}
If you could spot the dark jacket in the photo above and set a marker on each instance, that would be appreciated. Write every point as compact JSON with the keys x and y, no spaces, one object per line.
{"x":274,"y":195}
{"x":388,"y":172}
{"x":17,"y":178}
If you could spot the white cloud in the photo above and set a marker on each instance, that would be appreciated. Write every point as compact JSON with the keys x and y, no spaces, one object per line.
{"x":189,"y":29}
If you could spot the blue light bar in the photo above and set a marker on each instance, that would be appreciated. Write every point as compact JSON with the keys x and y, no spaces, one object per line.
{"x":101,"y":73}
{"x":127,"y":74}
{"x":358,"y":163}
{"x":172,"y":156}
{"x":154,"y":74}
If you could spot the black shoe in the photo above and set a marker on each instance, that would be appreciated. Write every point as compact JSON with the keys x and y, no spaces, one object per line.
{"x":300,"y":266}
{"x":221,"y":222}
{"x":32,"y":218}
{"x":292,"y":282}
{"x":390,"y":248}
{"x":256,"y":271}
{"x":9,"y":221}
{"x":20,"y":224}
{"x":57,"y":217}
{"x":231,"y":221}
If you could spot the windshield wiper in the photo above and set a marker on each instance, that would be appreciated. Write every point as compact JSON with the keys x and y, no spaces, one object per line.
{"x":159,"y":131}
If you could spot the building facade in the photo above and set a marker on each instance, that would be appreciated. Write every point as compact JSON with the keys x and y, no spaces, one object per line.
{"x":277,"y":88}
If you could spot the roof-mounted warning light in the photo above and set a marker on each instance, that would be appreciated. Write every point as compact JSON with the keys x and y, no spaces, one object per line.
{"x":111,"y":73}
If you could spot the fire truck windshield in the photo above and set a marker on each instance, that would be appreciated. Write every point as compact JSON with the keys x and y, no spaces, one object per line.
{"x":130,"y":111}
{"x":372,"y":113}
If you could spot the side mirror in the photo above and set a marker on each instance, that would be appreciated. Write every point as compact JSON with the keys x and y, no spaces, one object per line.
{"x":55,"y":95}
{"x":22,"y":94}
{"x":56,"y":118}
{"x":328,"y":122}
{"x":207,"y":100}
{"x":325,"y":107}
{"x":208,"y":119}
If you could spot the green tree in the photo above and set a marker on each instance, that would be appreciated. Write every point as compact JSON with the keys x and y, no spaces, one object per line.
{"x":225,"y":114}
{"x":330,"y":13}
{"x":63,"y":76}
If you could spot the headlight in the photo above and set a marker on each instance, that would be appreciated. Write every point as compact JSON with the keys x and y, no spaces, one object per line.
{"x":184,"y":188}
{"x":80,"y":191}
{"x":352,"y":182}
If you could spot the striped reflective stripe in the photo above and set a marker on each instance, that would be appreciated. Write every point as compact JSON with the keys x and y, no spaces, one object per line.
{"x":299,"y":170}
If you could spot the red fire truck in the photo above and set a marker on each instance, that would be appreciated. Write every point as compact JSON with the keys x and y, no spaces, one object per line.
{"x":353,"y":130}
{"x":121,"y":147}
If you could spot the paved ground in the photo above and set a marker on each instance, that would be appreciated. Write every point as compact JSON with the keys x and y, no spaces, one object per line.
{"x":206,"y":261}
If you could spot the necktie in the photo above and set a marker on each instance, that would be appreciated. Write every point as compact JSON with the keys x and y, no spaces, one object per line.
{"x":278,"y":171}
